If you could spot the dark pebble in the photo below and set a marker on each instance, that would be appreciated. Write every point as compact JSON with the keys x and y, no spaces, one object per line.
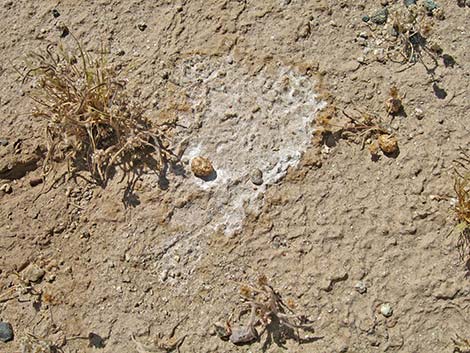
{"x":410,"y":2}
{"x":55,"y":13}
{"x":430,"y":5}
{"x":380,"y":17}
{"x":35,"y":182}
{"x":366,"y":18}
{"x":64,"y":30}
{"x":6,"y":332}
{"x":142,"y":26}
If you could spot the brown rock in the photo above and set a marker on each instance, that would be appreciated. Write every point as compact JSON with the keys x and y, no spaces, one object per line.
{"x":202,"y":167}
{"x":388,"y":144}
{"x":33,"y":273}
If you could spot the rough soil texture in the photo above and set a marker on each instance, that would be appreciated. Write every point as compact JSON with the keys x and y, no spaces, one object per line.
{"x":246,"y":80}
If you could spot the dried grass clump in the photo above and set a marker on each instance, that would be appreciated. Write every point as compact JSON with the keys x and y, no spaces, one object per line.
{"x":462,"y":206}
{"x":412,"y":27}
{"x":92,"y":122}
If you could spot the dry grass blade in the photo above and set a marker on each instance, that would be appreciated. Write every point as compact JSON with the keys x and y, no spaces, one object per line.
{"x":92,"y":123}
{"x":462,"y":206}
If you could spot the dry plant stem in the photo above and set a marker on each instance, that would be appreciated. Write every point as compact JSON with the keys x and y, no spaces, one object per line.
{"x":365,"y":129}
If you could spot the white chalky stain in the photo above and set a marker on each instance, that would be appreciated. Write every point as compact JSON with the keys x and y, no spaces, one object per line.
{"x":272,"y":139}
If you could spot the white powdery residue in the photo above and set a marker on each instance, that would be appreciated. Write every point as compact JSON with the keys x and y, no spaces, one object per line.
{"x":247,"y":122}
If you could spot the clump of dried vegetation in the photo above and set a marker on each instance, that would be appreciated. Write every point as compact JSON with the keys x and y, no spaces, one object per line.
{"x":91,"y":121}
{"x":411,"y":28}
{"x":266,"y":310}
{"x":406,"y":37}
{"x":461,"y":345}
{"x":462,"y":205}
{"x":359,"y":127}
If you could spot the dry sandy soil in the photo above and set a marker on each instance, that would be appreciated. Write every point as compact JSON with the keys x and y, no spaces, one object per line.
{"x":335,"y":230}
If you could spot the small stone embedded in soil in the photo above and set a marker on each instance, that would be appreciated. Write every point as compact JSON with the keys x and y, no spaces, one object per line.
{"x":430,"y":5}
{"x":386,"y":310}
{"x":410,"y":2}
{"x":6,"y":188}
{"x":35,"y":182}
{"x":419,"y":113}
{"x":3,"y":142}
{"x":142,"y":27}
{"x":380,"y":17}
{"x":256,"y":177}
{"x":243,"y":334}
{"x":222,"y":331}
{"x":6,"y":332}
{"x":33,"y":273}
{"x":55,"y":13}
{"x":388,"y":144}
{"x":360,"y":287}
{"x":201,"y":167}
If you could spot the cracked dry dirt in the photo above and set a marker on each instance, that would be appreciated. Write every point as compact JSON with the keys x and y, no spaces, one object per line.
{"x":335,"y":231}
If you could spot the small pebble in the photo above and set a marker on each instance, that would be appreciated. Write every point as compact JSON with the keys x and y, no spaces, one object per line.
{"x":35,"y":182}
{"x":55,"y":13}
{"x":380,"y":17}
{"x":3,"y":142}
{"x":360,"y":287}
{"x":202,"y":167}
{"x":6,"y":188}
{"x":256,"y":177}
{"x":430,"y":5}
{"x":386,"y":310}
{"x":6,"y":331}
{"x":419,"y":113}
{"x":388,"y":143}
{"x":410,"y":2}
{"x":33,"y":273}
{"x":365,"y":18}
{"x":142,"y":26}
{"x":363,"y":35}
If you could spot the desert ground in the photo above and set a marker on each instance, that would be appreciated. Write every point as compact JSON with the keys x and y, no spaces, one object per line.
{"x":304,"y":212}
